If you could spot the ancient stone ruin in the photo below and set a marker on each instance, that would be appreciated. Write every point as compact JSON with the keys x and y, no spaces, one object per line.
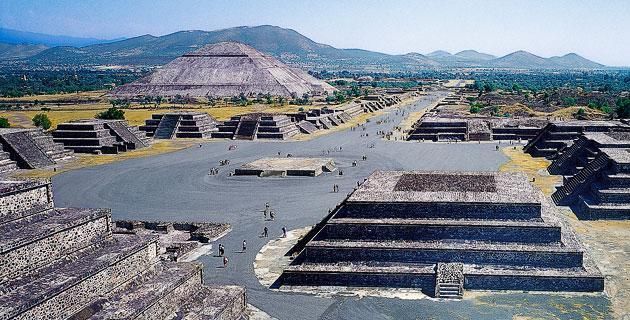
{"x":224,"y":69}
{"x":257,"y":126}
{"x":69,"y":263}
{"x":443,"y":232}
{"x":596,"y":176}
{"x":292,"y":166}
{"x":99,"y":136}
{"x":558,"y":135}
{"x":375,"y":102}
{"x":29,"y":149}
{"x":434,"y":128}
{"x":180,"y":125}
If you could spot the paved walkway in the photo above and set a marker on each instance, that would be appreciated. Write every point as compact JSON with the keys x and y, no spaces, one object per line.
{"x":176,"y":186}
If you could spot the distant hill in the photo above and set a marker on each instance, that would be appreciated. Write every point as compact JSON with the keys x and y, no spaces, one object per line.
{"x":573,"y":60}
{"x":474,"y":55}
{"x":11,"y":36}
{"x":287,"y":45}
{"x":19,"y":51}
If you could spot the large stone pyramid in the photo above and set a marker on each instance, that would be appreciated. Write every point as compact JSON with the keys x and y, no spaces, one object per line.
{"x":222,"y":70}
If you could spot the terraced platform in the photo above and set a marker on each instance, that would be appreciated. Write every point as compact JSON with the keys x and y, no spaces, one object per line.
{"x":257,"y":126}
{"x":287,"y":167}
{"x":180,"y":125}
{"x":99,"y":136}
{"x":66,"y":263}
{"x":29,"y":149}
{"x":398,"y":227}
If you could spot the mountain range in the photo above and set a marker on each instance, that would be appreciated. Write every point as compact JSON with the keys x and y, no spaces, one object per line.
{"x":285,"y":44}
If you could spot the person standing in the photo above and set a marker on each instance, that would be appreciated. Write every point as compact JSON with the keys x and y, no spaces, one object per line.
{"x":284,"y":232}
{"x":244,"y":245}
{"x":225,"y":262}
{"x":265,"y":232}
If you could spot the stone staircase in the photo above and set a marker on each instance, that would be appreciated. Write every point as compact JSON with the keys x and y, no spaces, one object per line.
{"x":306,"y":127}
{"x":66,"y":263}
{"x":25,"y":150}
{"x":569,"y":154}
{"x":566,"y":193}
{"x":449,"y":281}
{"x":167,"y":127}
{"x":130,"y":137}
{"x":246,"y":130}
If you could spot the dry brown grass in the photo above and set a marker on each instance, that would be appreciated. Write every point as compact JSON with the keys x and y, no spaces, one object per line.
{"x":533,"y":167}
{"x":88,"y":160}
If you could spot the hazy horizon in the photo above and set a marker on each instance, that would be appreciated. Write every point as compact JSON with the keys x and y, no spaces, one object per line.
{"x":594,"y":30}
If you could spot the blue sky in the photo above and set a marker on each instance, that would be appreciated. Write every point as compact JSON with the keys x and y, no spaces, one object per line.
{"x":598,"y":30}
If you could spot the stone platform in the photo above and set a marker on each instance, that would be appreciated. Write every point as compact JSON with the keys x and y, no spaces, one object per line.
{"x":397,"y":227}
{"x":180,"y":125}
{"x":67,"y":263}
{"x":292,"y":166}
{"x":29,"y":149}
{"x":99,"y":136}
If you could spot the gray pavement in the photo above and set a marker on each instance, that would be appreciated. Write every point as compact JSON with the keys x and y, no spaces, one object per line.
{"x":176,"y":186}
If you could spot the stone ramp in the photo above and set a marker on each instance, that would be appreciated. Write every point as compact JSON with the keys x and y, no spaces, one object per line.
{"x":306,"y":127}
{"x":167,"y":127}
{"x":26,"y":151}
{"x":247,"y":130}
{"x":124,"y":133}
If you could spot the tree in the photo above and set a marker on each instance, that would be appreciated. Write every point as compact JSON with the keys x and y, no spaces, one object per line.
{"x":623,"y":108}
{"x":580,"y":114}
{"x":4,"y":123}
{"x":112,"y":113}
{"x":41,"y":120}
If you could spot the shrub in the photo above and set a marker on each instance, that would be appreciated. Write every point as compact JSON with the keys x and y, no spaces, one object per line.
{"x":112,"y":113}
{"x":41,"y":120}
{"x":4,"y":123}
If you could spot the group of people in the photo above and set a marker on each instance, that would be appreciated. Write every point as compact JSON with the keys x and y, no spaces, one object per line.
{"x":214,"y":171}
{"x":224,"y":162}
{"x":335,"y":188}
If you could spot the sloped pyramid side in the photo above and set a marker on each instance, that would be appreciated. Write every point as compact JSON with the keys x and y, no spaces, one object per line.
{"x":221,"y":70}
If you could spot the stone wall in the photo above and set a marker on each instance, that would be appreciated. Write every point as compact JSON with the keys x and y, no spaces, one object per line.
{"x":514,"y":257}
{"x":13,"y":204}
{"x":68,"y":302}
{"x":172,"y":300}
{"x":44,"y":251}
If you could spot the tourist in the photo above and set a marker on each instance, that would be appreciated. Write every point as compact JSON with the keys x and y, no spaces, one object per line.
{"x":221,"y":250}
{"x":271,"y":215}
{"x":244,"y":245}
{"x":225,"y":262}
{"x":284,"y":232}
{"x":265,"y":232}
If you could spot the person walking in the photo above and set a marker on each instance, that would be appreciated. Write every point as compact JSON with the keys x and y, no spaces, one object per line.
{"x":225,"y":262}
{"x":272,"y":215}
{"x":284,"y":232}
{"x":265,"y":232}
{"x":244,"y":245}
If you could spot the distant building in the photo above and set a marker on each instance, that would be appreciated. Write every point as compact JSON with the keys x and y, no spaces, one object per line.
{"x":224,"y":69}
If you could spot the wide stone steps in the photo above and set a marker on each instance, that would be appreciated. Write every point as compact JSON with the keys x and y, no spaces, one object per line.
{"x":61,"y":289}
{"x":167,"y":127}
{"x":535,"y":255}
{"x":53,"y":233}
{"x":423,"y":276}
{"x":6,"y":164}
{"x":565,"y":194}
{"x":441,"y":229}
{"x":159,"y":297}
{"x":306,"y":127}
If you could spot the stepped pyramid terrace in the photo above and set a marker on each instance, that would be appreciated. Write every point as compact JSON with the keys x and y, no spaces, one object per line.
{"x":180,"y":125}
{"x":558,"y":135}
{"x":443,"y":232}
{"x":291,"y":166}
{"x":99,"y":136}
{"x":253,"y":126}
{"x":224,"y":69}
{"x":596,"y":176}
{"x":29,"y":149}
{"x":73,"y":263}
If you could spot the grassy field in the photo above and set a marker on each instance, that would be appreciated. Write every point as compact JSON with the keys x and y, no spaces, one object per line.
{"x":136,"y":114}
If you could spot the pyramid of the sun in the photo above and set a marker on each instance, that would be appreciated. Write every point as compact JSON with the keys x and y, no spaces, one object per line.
{"x":223,"y":70}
